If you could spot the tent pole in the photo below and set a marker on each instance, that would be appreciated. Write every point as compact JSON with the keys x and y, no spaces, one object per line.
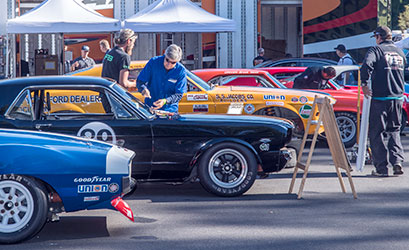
{"x":62,"y":47}
{"x":7,"y":57}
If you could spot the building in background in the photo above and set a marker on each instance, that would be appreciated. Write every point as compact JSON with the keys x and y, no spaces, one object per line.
{"x":296,"y":27}
{"x":348,"y":22}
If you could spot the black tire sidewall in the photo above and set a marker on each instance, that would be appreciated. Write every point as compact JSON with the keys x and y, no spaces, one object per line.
{"x":351,"y":116}
{"x":212,"y":187}
{"x":40,"y":211}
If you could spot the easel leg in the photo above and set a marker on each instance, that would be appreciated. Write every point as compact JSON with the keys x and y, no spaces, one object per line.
{"x":341,"y":181}
{"x":351,"y":184}
{"x":293,"y":180}
{"x":304,"y":177}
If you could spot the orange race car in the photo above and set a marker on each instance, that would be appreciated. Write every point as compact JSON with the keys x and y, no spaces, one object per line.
{"x":203,"y":98}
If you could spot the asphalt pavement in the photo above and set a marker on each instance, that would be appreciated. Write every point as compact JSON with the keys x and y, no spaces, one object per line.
{"x":169,"y":216}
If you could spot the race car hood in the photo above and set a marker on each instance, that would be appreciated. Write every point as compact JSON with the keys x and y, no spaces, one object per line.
{"x":236,"y":119}
{"x":40,"y":138}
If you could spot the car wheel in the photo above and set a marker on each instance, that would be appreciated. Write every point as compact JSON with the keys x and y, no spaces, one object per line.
{"x":347,"y":125}
{"x":227,"y":169}
{"x":23,"y":208}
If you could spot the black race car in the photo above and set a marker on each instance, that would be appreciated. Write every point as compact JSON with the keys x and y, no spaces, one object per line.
{"x":223,"y":151}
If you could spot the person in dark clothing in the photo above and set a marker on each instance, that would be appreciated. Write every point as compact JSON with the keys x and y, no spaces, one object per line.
{"x":116,"y":62}
{"x":104,"y":46}
{"x":314,"y":78}
{"x":260,"y":57}
{"x":84,"y":61}
{"x":384,"y":65}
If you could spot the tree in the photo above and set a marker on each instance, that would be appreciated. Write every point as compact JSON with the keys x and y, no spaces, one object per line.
{"x":403,"y":19}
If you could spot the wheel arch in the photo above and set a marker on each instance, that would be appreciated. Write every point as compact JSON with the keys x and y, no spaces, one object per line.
{"x":216,"y":141}
{"x":284,"y":112}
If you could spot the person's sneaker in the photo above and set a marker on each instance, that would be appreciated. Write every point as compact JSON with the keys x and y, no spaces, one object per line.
{"x":397,"y":170}
{"x":375,"y":173}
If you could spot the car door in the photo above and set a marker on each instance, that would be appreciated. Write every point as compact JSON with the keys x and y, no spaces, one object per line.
{"x":96,"y":114}
{"x":196,"y":100}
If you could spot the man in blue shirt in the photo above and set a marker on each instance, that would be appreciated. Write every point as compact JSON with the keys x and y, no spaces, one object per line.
{"x":163,"y":80}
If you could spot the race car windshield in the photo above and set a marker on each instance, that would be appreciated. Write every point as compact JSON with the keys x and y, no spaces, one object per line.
{"x":279,"y":84}
{"x":198,"y":80}
{"x":132,"y":99}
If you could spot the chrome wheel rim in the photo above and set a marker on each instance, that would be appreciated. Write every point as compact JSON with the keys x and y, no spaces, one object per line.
{"x":16,"y":206}
{"x":347,"y":128}
{"x":228,"y":168}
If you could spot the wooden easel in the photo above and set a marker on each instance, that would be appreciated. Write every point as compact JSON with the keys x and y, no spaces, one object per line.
{"x":335,"y":144}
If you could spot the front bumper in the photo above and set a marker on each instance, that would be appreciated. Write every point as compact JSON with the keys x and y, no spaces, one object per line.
{"x":274,"y":161}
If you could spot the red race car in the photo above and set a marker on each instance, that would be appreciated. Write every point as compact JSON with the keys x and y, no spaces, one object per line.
{"x":345,"y":107}
{"x":288,"y":74}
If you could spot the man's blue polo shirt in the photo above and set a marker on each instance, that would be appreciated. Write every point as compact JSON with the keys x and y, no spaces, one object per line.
{"x":164,"y":84}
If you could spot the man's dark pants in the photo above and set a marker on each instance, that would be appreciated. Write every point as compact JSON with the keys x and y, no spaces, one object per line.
{"x":385,"y":116}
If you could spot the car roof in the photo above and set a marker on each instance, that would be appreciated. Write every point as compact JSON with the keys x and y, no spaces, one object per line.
{"x":10,"y":88}
{"x":295,"y":59}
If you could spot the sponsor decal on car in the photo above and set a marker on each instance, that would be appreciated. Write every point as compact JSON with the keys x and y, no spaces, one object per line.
{"x":200,"y":108}
{"x":75,"y":99}
{"x":303,"y":99}
{"x":274,"y":97}
{"x":264,"y":146}
{"x":98,"y":131}
{"x":113,"y":188}
{"x":249,"y":108}
{"x":197,"y":97}
{"x":305,"y":111}
{"x":235,"y":108}
{"x":92,"y":188}
{"x":234,"y":97}
{"x":274,"y":103}
{"x":91,"y":198}
{"x":93,"y":179}
{"x":294,"y":99}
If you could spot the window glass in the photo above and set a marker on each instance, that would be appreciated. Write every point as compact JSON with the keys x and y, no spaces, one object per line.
{"x":74,"y":101}
{"x":117,"y":108}
{"x":22,"y":110}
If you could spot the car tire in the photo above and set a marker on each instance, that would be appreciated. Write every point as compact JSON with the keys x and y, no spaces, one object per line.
{"x":347,"y":124}
{"x":227,"y":169}
{"x":23,"y":203}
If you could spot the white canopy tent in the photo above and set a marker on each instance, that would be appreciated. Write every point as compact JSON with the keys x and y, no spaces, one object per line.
{"x":166,"y":16}
{"x":61,"y":16}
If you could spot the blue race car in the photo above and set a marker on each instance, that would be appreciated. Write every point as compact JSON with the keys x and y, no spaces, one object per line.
{"x":43,"y":174}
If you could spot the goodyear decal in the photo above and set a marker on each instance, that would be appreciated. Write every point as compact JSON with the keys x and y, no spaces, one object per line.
{"x":75,"y":99}
{"x":305,"y":111}
{"x":197,"y":97}
{"x":274,"y":103}
{"x":200,"y":108}
{"x":234,"y":97}
{"x":249,"y":108}
{"x":274,"y":97}
{"x":303,"y":99}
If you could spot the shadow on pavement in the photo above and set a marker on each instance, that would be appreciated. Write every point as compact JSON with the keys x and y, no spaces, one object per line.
{"x":73,"y":227}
